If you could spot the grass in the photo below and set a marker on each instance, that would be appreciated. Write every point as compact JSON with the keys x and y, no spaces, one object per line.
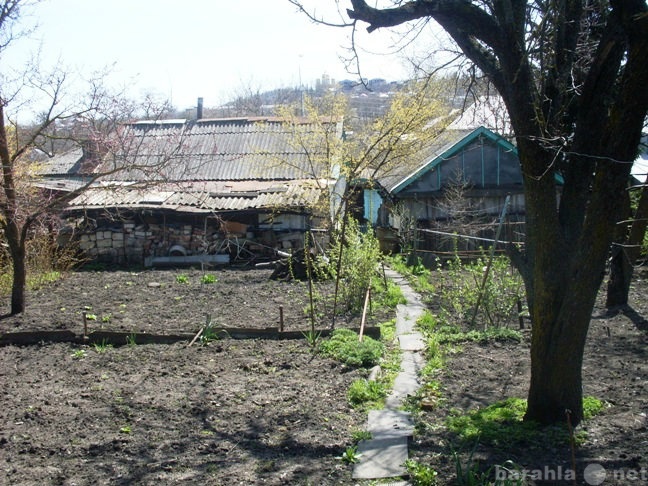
{"x":500,"y":424}
{"x":365,"y":394}
{"x":102,"y":347}
{"x":344,"y":346}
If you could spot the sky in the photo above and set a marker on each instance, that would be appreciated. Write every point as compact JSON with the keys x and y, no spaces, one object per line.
{"x":212,"y":49}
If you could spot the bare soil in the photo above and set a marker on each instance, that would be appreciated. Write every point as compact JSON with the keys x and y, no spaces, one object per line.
{"x":252,"y":411}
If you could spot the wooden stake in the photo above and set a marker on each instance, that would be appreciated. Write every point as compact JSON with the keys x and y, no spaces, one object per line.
{"x":281,"y":319}
{"x":364,"y":313}
{"x":196,"y":336}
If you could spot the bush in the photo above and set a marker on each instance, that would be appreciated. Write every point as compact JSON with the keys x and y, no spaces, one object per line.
{"x":360,"y":257}
{"x":343,"y":345}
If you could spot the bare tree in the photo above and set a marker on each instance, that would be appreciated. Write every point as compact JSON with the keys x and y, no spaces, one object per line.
{"x":573,"y":77}
{"x":65,"y":119}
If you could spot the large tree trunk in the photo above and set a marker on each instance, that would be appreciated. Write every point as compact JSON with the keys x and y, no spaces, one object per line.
{"x":18,"y":254}
{"x":19,"y":283}
{"x":625,"y":254}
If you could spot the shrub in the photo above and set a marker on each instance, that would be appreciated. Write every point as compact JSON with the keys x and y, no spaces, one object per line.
{"x":360,"y":257}
{"x":343,"y":345}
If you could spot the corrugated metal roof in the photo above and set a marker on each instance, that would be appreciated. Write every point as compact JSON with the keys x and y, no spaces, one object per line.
{"x":64,"y":164}
{"x":204,"y":197}
{"x":220,"y":149}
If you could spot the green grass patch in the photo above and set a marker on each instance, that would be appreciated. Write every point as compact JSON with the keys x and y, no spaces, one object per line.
{"x":388,"y":297}
{"x":344,"y":346}
{"x":366,"y":394}
{"x":501,"y":424}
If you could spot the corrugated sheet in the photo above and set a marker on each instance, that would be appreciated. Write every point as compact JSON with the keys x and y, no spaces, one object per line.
{"x":222,"y":149}
{"x":187,"y":197}
{"x":64,"y":164}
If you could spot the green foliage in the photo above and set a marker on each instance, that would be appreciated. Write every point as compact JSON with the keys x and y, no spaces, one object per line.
{"x":131,"y":340}
{"x":461,"y":288}
{"x":387,"y":331}
{"x":91,"y":317}
{"x":418,"y":275}
{"x":358,"y":435}
{"x":350,"y":455}
{"x":360,"y":257}
{"x":344,"y":346}
{"x":451,"y":335}
{"x":208,"y":279}
{"x":182,"y":279}
{"x":209,"y":333}
{"x":420,"y":475}
{"x":312,"y":338}
{"x":498,"y":424}
{"x":102,"y":346}
{"x":591,"y":406}
{"x":427,"y":322}
{"x":469,"y":474}
{"x":365,"y":393}
{"x":389,"y":297}
{"x":501,"y":424}
{"x":79,"y":354}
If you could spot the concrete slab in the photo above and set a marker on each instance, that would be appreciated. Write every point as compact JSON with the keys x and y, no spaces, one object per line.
{"x":381,"y":458}
{"x":411,"y":342}
{"x":388,"y":423}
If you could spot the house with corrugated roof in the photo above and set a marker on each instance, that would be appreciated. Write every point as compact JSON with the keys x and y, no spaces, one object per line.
{"x":203,"y":191}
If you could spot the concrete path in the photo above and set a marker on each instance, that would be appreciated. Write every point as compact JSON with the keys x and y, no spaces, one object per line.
{"x":384,"y":455}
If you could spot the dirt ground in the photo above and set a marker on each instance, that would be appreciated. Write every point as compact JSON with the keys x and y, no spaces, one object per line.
{"x":253,"y":411}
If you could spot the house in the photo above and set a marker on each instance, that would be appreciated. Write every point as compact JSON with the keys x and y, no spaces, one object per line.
{"x":203,"y":191}
{"x":458,"y":184}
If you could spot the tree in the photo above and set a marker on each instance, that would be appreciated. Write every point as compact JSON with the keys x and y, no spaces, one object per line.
{"x":627,"y":249}
{"x":64,"y":119}
{"x":573,"y":77}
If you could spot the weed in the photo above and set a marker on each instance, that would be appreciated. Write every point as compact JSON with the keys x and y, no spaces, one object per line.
{"x":131,"y":340}
{"x":79,"y":354}
{"x":208,"y":279}
{"x":388,"y":331}
{"x":312,"y":338}
{"x":360,"y":434}
{"x":591,"y":407}
{"x":427,"y":322}
{"x":501,"y":424}
{"x":344,"y":346}
{"x":91,"y":317}
{"x":366,"y":393}
{"x":391,"y":296}
{"x":103,"y":346}
{"x":469,"y":474}
{"x":106,"y":318}
{"x":126,"y":429}
{"x":182,"y":279}
{"x":350,"y":455}
{"x":210,"y":333}
{"x":266,"y":466}
{"x":420,"y":475}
